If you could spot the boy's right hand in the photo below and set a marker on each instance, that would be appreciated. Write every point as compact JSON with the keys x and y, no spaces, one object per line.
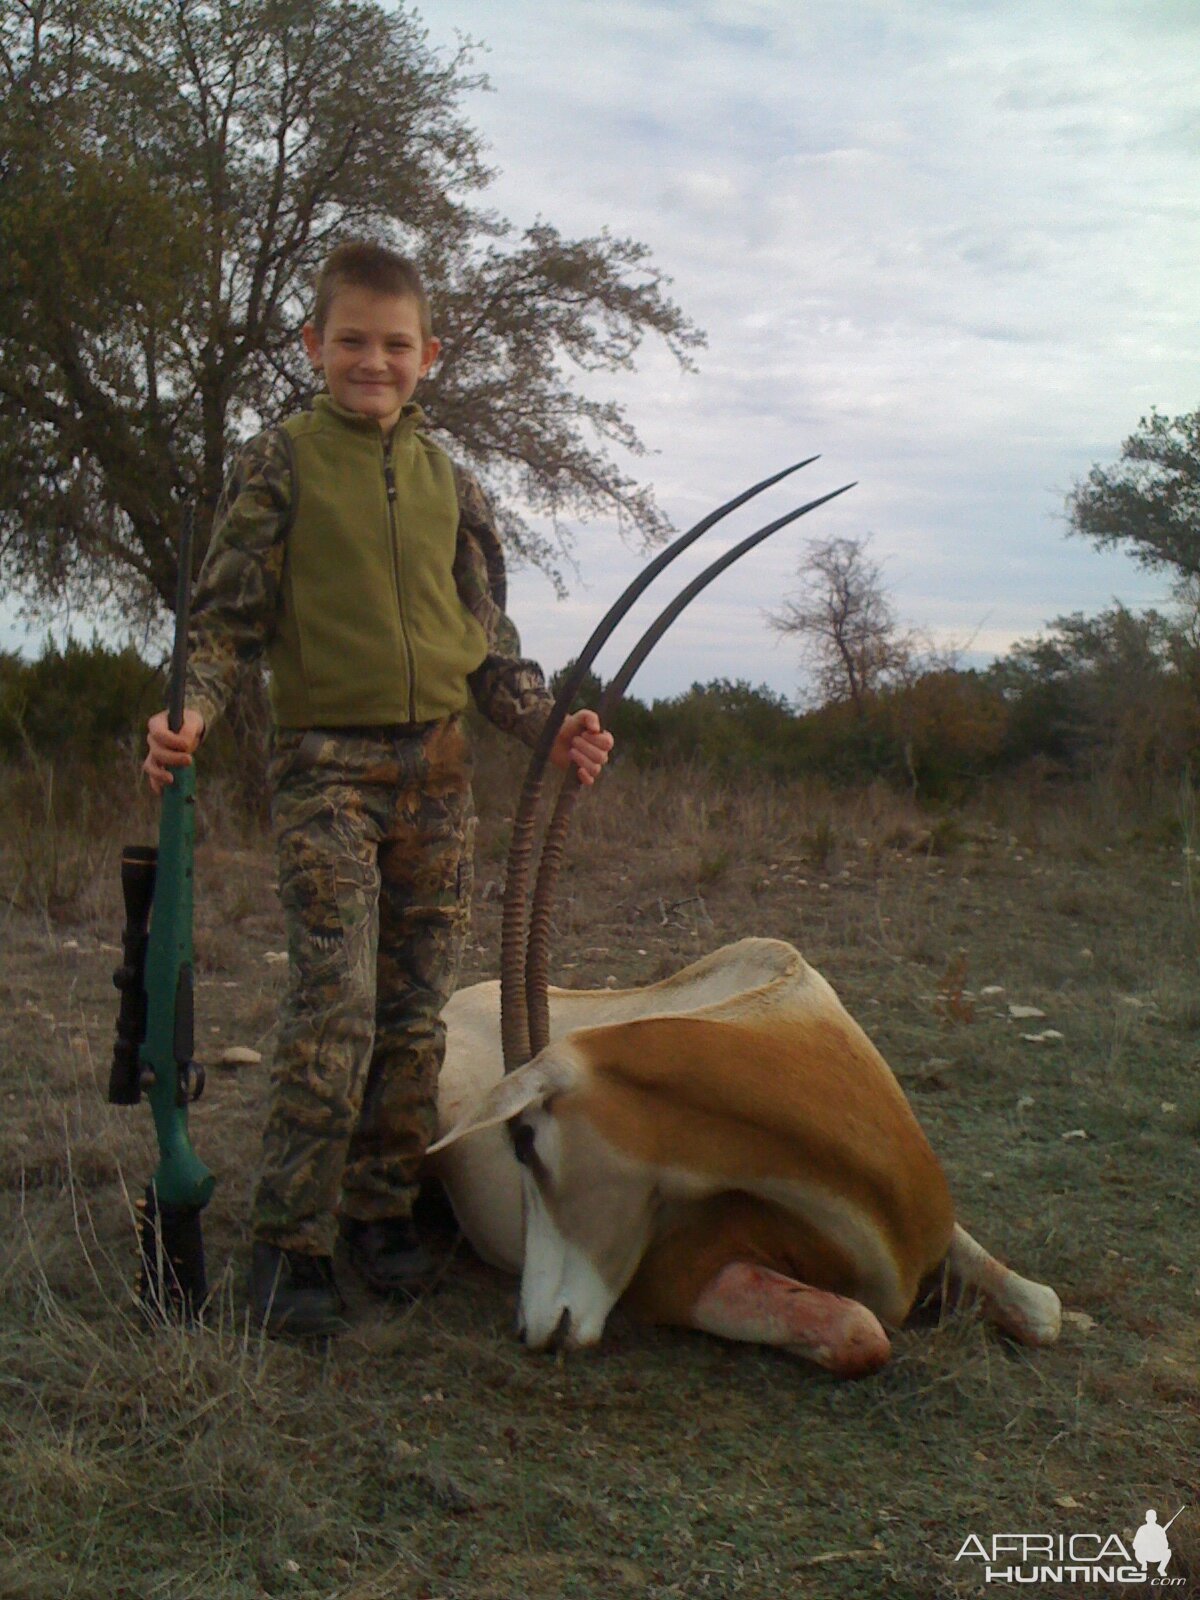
{"x":167,"y":749}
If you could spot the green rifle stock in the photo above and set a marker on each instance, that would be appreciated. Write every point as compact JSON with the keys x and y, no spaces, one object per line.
{"x":155,"y":1031}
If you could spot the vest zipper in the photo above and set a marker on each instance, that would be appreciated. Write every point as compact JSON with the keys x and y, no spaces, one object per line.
{"x":389,"y":478}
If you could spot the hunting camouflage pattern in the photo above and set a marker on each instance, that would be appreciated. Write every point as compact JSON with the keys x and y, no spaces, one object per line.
{"x":374,"y":833}
{"x":374,"y":830}
{"x":236,"y":602}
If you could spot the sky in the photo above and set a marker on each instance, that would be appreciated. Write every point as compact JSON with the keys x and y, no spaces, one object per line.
{"x":951,"y":245}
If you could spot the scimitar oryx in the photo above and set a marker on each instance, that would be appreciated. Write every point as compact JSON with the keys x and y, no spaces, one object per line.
{"x":724,"y":1150}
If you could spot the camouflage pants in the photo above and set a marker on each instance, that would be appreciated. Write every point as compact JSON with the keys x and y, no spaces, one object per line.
{"x":374,"y":831}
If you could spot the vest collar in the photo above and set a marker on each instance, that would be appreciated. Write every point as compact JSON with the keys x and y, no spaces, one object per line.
{"x":410,"y":419}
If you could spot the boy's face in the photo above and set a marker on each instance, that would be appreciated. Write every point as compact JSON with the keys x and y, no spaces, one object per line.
{"x":372,"y":352}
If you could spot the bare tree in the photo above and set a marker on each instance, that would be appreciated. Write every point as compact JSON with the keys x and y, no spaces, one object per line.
{"x":850,"y":640}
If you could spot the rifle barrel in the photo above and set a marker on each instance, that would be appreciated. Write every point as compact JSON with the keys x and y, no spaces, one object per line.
{"x":183,"y":612}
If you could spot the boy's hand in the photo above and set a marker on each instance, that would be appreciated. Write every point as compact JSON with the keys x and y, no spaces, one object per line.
{"x":167,"y":749}
{"x":581,"y":742}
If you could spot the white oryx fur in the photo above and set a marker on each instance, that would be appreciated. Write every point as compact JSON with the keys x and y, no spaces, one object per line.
{"x":725,"y":1150}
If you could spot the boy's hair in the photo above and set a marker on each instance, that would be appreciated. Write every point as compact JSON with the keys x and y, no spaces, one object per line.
{"x":362,"y":264}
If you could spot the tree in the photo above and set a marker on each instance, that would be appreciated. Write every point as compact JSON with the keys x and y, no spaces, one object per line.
{"x":171,"y":174}
{"x":1150,"y":500}
{"x":1117,"y":688}
{"x":847,"y":628}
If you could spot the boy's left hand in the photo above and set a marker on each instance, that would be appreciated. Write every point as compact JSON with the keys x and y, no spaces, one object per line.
{"x":580,"y":742}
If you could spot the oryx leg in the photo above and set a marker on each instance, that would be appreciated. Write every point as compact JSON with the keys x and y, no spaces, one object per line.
{"x":761,"y":1306}
{"x":1029,"y":1312}
{"x":708,"y":1269}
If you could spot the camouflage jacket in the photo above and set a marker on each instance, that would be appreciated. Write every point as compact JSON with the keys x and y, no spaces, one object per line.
{"x":235,"y":606}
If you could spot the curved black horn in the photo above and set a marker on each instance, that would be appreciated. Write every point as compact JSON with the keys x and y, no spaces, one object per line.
{"x":615,"y":692}
{"x":537,"y":956}
{"x":514,"y":1014}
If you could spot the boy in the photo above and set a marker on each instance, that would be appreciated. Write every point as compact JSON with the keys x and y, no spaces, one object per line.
{"x":365,"y":564}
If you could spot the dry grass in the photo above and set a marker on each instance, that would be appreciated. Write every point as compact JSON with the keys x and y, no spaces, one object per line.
{"x":424,"y":1454}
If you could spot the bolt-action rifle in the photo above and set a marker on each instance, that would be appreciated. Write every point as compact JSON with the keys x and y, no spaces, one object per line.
{"x":155,"y":1030}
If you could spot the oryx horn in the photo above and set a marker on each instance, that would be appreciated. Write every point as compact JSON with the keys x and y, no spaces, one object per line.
{"x":514,"y":1013}
{"x":537,"y":956}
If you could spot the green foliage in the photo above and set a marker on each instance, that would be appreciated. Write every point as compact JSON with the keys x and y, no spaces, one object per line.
{"x":950,"y":728}
{"x":1117,"y":691}
{"x":1100,"y":694}
{"x":1149,"y":500}
{"x":82,"y":700}
{"x":589,"y":692}
{"x":727,"y":725}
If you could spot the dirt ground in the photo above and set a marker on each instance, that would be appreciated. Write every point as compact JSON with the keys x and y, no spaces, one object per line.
{"x":1027,"y":966}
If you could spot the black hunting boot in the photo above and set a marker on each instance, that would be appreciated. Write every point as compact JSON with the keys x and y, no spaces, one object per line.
{"x":294,"y":1293}
{"x":388,"y":1255}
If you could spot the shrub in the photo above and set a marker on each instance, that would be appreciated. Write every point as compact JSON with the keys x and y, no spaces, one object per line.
{"x":84,"y":700}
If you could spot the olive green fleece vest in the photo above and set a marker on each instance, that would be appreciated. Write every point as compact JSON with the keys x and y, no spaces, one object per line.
{"x":371,"y":628}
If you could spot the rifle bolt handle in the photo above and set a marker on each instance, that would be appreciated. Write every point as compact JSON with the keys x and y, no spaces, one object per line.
{"x":191,"y":1082}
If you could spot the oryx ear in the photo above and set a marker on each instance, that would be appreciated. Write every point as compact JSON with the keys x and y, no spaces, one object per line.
{"x":531,"y":1085}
